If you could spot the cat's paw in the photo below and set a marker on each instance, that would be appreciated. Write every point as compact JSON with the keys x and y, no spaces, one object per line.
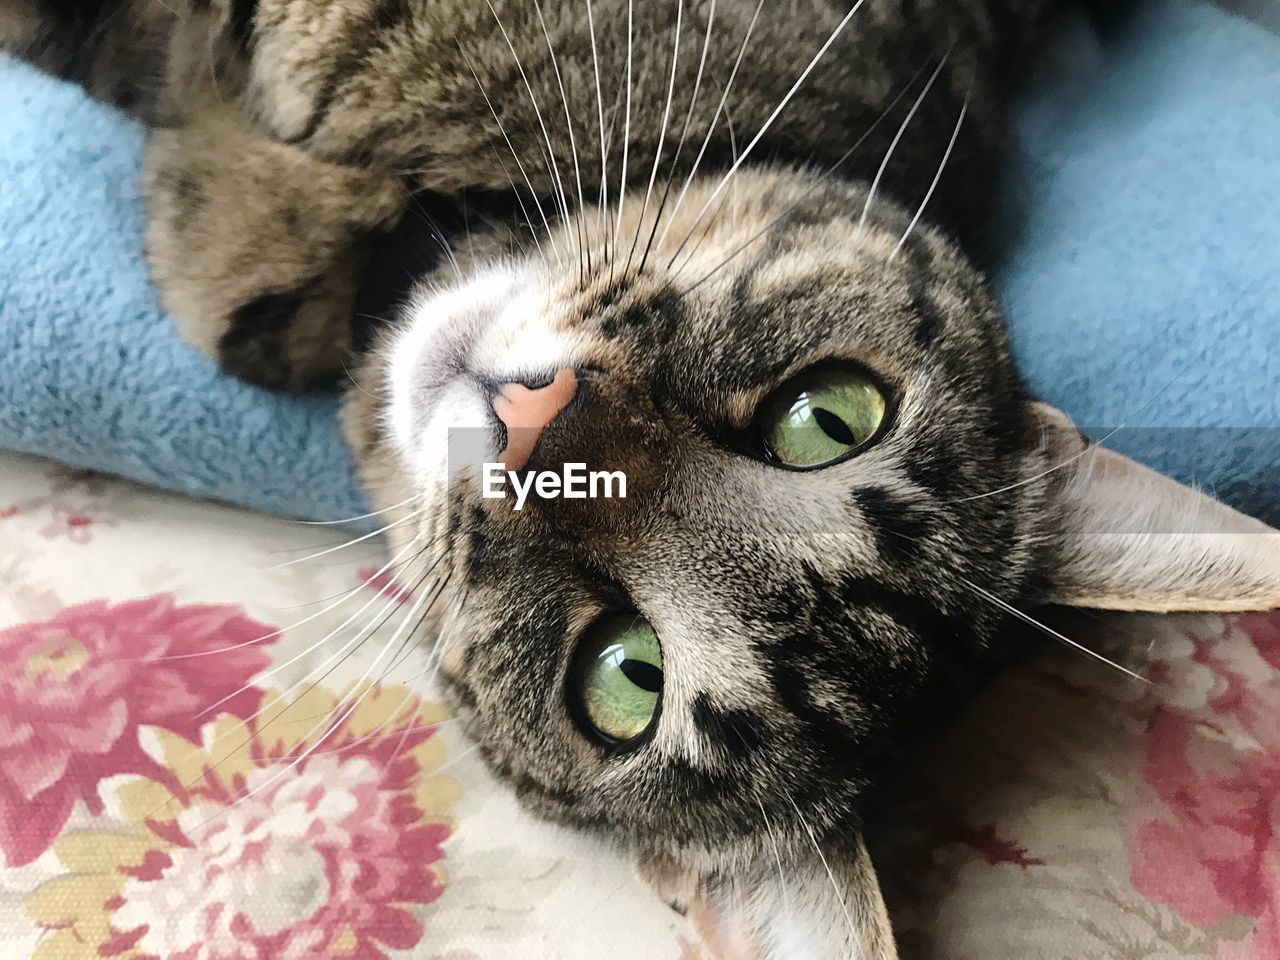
{"x":256,"y":248}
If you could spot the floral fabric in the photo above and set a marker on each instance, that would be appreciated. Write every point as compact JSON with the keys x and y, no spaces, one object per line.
{"x":190,"y":770}
{"x":1078,"y":813}
{"x":197,"y":762}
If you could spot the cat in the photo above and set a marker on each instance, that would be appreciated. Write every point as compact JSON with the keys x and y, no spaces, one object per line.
{"x":726,"y":248}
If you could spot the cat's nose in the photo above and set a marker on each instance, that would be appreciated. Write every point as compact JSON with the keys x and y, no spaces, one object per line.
{"x":527,"y":411}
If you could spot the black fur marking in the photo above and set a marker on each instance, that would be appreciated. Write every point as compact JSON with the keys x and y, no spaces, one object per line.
{"x":738,"y":732}
{"x":931,"y":471}
{"x":265,"y":315}
{"x":527,"y":785}
{"x":364,"y":150}
{"x":400,"y":256}
{"x":1010,"y":423}
{"x":929,"y":326}
{"x":812,"y":653}
{"x":787,"y":605}
{"x":73,"y":11}
{"x":758,"y":362}
{"x":390,"y":14}
{"x":461,"y":690}
{"x":897,"y":525}
{"x":243,"y":13}
{"x":385,"y":16}
{"x":652,"y":319}
{"x":1007,"y":23}
{"x":126,"y":96}
{"x":255,"y":345}
{"x":914,"y":612}
{"x":325,"y":99}
{"x":479,"y":543}
{"x":190,"y":201}
{"x":840,"y":742}
{"x":870,"y":682}
{"x":608,"y":297}
{"x":692,"y":783}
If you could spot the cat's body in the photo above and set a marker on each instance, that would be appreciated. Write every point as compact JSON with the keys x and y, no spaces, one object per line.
{"x":806,"y":617}
{"x":249,"y":101}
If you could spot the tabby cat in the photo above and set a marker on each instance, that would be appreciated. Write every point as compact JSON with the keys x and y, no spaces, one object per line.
{"x":717,"y":245}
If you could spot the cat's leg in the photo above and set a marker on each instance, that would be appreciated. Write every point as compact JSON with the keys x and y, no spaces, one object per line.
{"x":256,"y":247}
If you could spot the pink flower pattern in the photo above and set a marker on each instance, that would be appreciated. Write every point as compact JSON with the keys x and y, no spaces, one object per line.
{"x":75,"y":688}
{"x":75,"y":521}
{"x":288,"y":844}
{"x":382,"y":583}
{"x":1213,"y":850}
{"x":76,"y":524}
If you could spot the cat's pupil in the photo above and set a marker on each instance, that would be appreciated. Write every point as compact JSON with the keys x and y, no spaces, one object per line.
{"x":644,"y":675}
{"x":834,"y":427}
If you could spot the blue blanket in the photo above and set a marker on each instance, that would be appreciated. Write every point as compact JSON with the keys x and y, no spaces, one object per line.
{"x":1144,"y":233}
{"x":1144,"y":216}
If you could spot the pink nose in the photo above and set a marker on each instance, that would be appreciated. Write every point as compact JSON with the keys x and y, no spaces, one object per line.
{"x":527,"y":413}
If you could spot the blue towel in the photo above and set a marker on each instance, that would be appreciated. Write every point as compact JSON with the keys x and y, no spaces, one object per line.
{"x":1142,"y":281}
{"x":1143,"y":275}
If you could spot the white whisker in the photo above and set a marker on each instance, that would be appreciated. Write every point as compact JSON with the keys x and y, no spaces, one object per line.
{"x":662,"y":132}
{"x":1043,"y":628}
{"x":332,"y":726}
{"x":533,"y":229}
{"x":280,"y":631}
{"x":835,"y":887}
{"x":603,"y":196}
{"x":626,"y":135}
{"x":715,"y":118}
{"x":768,"y":123}
{"x":554,"y":166}
{"x":964,"y":107}
{"x":363,"y":516}
{"x":732,"y":196}
{"x":902,"y":129}
{"x":777,"y":856}
{"x":275,"y":669}
{"x":339,"y":656}
{"x":348,"y":543}
{"x":1088,"y":448}
{"x":684,"y":133}
{"x":573,"y":143}
{"x":808,"y":190}
{"x":515,"y":156}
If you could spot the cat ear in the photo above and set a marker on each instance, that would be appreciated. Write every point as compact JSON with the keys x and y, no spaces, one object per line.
{"x":1132,"y":539}
{"x":824,"y":907}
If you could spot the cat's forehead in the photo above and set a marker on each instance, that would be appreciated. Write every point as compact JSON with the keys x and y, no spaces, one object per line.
{"x":791,"y":279}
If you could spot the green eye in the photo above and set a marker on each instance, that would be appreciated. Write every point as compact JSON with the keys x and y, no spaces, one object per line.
{"x":617,"y":678}
{"x":821,"y":416}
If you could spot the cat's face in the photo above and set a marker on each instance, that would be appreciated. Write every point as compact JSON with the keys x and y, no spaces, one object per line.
{"x":778,"y":623}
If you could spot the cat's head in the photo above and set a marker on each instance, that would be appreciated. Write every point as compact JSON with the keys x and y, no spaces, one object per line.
{"x":836,"y":489}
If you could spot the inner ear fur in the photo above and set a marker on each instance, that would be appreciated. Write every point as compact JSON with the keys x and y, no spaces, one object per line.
{"x":802,"y":903}
{"x":1130,"y":538}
